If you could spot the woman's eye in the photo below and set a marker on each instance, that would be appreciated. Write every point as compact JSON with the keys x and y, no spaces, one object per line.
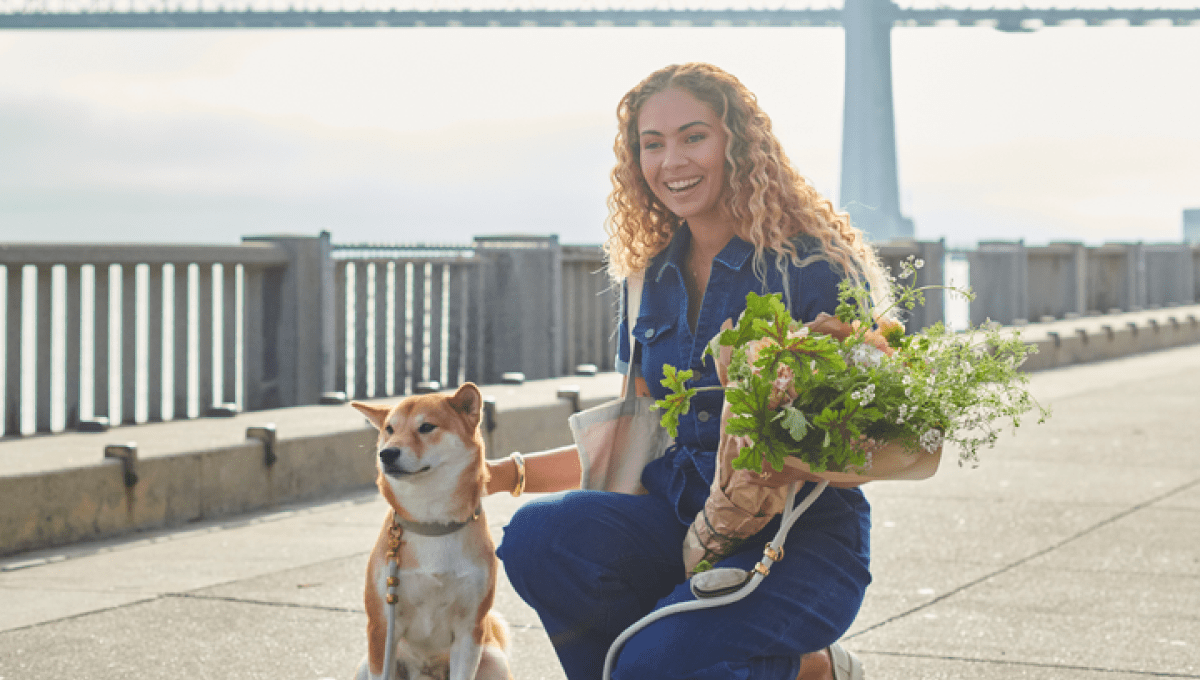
{"x":389,"y":430}
{"x":698,"y":137}
{"x":649,"y":146}
{"x":426,"y":428}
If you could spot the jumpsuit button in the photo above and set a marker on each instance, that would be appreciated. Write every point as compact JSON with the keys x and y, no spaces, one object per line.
{"x":649,"y":332}
{"x":703,"y":416}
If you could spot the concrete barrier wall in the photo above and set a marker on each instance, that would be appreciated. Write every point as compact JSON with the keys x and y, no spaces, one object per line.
{"x":1097,"y":338}
{"x":60,"y":490}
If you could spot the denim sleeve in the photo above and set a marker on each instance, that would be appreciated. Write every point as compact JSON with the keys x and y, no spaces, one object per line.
{"x":621,"y":363}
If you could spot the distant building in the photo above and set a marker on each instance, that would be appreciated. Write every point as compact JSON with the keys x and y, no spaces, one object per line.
{"x":1191,"y":225}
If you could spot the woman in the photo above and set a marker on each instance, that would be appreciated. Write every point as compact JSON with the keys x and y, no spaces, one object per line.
{"x":705,"y":204}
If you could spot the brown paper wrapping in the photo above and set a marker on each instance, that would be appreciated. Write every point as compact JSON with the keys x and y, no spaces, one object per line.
{"x":741,"y":502}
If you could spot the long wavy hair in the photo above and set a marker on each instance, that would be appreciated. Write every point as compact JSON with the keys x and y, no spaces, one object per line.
{"x":770,"y":201}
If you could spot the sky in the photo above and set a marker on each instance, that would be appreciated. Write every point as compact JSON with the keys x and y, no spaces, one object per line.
{"x":437,"y":135}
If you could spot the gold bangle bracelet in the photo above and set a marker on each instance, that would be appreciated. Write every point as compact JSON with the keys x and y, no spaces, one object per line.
{"x":519,"y":461}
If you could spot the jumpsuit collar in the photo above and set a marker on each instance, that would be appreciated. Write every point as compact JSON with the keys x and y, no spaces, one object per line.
{"x":733,"y":256}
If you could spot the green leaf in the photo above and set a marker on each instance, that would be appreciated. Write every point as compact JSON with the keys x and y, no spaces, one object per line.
{"x":794,"y":421}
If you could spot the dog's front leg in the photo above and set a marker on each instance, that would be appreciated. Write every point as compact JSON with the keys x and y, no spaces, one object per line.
{"x":465,"y":654}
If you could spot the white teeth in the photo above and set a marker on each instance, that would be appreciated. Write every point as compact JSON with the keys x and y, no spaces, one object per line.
{"x":683,"y":184}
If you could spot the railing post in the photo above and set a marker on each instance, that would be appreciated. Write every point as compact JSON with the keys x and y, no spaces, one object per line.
{"x":43,"y":346}
{"x":1057,"y":280}
{"x":301,"y":303}
{"x":1000,"y":279}
{"x":1168,"y":274}
{"x":180,"y":329}
{"x":1196,"y":272}
{"x":12,"y":349}
{"x":1080,"y":270}
{"x":521,"y":317}
{"x":1135,"y":277}
{"x":932,"y":274}
{"x":154,"y":361}
{"x":74,"y":303}
{"x":102,"y":286}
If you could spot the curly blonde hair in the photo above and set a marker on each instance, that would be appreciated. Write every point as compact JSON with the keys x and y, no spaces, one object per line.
{"x":770,"y":201}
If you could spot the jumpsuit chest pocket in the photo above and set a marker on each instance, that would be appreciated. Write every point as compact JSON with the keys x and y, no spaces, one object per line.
{"x":659,"y":346}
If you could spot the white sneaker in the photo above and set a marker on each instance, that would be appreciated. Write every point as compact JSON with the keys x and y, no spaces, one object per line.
{"x":846,"y":666}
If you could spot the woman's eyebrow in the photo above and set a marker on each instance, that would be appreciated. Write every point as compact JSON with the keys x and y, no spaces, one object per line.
{"x":683,"y":127}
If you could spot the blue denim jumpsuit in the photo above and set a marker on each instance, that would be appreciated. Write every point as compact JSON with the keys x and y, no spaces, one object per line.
{"x":591,"y":563}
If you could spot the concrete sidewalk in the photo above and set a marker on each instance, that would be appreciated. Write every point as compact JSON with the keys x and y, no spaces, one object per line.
{"x":1072,"y":552}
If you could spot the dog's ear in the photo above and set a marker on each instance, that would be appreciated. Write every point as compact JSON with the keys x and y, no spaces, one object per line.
{"x":467,"y":401}
{"x":376,"y":414}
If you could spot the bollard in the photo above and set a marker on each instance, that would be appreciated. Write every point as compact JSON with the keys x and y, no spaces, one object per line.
{"x":513,"y":378}
{"x":332,"y":399}
{"x":266,"y":435}
{"x":427,"y":387}
{"x":127,"y":454}
{"x":489,"y":414}
{"x":586,"y":369}
{"x":96,"y":424}
{"x":571,"y":393}
{"x":221,"y":411}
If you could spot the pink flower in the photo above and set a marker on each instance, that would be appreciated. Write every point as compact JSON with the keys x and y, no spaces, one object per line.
{"x":783,"y":389}
{"x":753,"y":349}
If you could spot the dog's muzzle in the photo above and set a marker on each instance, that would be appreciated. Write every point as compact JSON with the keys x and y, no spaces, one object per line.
{"x":391,"y":461}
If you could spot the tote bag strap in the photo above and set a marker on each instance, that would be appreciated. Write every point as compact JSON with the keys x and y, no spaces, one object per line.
{"x":633,"y":304}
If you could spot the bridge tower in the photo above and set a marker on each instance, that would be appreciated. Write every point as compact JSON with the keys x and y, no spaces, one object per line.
{"x":870,"y":186}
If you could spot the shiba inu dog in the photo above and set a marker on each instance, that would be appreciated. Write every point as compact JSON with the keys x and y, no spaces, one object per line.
{"x":430,"y":458}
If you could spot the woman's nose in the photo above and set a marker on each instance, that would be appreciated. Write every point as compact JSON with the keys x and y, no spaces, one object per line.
{"x":673,"y":158}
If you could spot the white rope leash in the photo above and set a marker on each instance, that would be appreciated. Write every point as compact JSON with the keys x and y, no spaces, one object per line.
{"x":393,"y":580}
{"x":789,"y":518}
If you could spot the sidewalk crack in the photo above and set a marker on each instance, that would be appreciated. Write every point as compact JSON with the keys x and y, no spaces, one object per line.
{"x":265,"y":603}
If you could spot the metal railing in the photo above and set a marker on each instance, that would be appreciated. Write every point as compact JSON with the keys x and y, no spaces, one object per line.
{"x":1015,"y":283}
{"x":99,"y":335}
{"x":130,"y":333}
{"x":117,"y":334}
{"x":405,"y":318}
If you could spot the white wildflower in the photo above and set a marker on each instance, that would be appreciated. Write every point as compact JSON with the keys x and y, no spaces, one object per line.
{"x":866,"y":355}
{"x":931,"y":440}
{"x":864,"y":396}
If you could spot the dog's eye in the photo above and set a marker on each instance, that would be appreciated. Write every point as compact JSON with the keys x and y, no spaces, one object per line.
{"x":389,"y":430}
{"x":426,"y":428}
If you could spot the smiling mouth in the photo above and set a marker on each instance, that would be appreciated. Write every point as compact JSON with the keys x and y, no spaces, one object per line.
{"x":397,"y":472}
{"x":683,"y":184}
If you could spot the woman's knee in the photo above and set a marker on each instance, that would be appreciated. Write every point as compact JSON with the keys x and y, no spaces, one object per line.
{"x":525,"y":546}
{"x":592,"y":543}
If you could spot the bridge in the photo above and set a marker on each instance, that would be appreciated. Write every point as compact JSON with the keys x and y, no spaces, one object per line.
{"x":869,"y":177}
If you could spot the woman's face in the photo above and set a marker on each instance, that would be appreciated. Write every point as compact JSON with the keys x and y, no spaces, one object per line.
{"x":683,"y":155}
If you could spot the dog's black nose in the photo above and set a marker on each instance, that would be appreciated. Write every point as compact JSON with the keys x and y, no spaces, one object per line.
{"x":389,"y":456}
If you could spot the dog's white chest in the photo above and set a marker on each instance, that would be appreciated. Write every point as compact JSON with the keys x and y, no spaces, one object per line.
{"x":440,"y":595}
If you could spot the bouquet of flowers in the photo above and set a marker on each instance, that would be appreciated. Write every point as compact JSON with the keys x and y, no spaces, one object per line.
{"x":830,"y":394}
